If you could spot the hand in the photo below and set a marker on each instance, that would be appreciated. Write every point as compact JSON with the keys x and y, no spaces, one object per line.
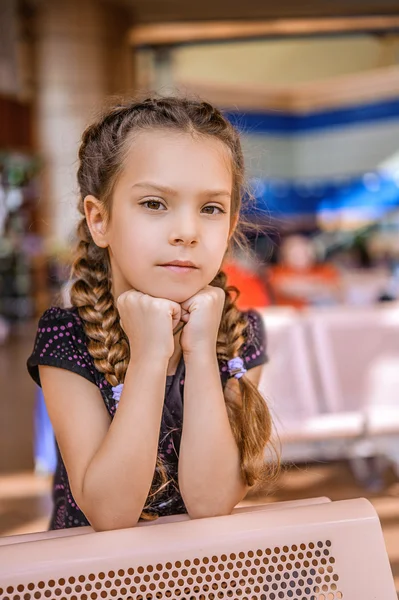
{"x":148,"y":323}
{"x":202,"y":314}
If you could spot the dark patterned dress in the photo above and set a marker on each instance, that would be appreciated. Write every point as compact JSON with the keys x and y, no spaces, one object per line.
{"x":61,"y":342}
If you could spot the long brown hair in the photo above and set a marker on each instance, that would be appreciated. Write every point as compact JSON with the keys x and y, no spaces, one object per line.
{"x":102,"y":152}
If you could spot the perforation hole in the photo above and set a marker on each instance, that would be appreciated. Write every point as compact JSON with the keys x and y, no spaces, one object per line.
{"x":298,"y":572}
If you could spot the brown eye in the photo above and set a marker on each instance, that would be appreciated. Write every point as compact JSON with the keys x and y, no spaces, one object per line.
{"x":152,"y":204}
{"x":211,"y":210}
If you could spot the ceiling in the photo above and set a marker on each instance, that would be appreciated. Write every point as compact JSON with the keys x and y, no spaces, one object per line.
{"x":147,"y":11}
{"x":163,"y":11}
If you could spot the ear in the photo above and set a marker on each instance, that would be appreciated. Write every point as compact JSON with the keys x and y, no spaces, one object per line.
{"x":96,"y":222}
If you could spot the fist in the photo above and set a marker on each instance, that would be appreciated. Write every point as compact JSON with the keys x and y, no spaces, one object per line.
{"x":148,"y":323}
{"x":202,"y":314}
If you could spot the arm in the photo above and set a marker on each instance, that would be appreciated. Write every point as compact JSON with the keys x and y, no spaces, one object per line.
{"x":209,"y":464}
{"x":110,"y":465}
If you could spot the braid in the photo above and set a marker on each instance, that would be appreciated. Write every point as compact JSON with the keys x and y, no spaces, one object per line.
{"x":102,"y":154}
{"x":250,"y":419}
{"x":233,"y":323}
{"x":107,"y":342}
{"x":91,"y":293}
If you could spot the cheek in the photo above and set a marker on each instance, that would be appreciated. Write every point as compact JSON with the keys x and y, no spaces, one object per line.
{"x":215,"y":254}
{"x":129,"y":240}
{"x":217,"y":243}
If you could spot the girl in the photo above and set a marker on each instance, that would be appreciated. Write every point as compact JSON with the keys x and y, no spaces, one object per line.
{"x":150,"y":377}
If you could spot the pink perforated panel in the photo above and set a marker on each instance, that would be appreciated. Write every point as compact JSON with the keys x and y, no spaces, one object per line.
{"x":299,"y":572}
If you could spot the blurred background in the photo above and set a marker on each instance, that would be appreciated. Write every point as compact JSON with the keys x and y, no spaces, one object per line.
{"x":314,"y":89}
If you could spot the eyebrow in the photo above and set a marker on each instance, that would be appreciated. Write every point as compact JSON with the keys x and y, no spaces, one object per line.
{"x":172,"y":192}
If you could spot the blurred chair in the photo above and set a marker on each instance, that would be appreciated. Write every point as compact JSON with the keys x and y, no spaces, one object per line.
{"x":306,"y":427}
{"x":354,"y":349}
{"x":315,"y":550}
{"x":364,"y":286}
{"x":357,"y":356}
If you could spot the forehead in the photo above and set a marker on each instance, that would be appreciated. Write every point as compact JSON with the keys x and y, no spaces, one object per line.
{"x":179,"y":159}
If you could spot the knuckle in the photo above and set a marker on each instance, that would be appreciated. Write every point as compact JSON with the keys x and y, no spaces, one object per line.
{"x":220,"y":292}
{"x":143,"y":299}
{"x":120,"y":303}
{"x":158,"y":303}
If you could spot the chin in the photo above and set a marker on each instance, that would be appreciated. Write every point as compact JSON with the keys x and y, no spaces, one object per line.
{"x":177,"y":294}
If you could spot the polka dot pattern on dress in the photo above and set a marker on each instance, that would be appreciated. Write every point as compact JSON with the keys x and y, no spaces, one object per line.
{"x":60,"y":342}
{"x":253,"y":351}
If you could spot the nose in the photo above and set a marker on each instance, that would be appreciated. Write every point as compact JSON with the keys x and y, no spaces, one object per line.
{"x":184,"y":230}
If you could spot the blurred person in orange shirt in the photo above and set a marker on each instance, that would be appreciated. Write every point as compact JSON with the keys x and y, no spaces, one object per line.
{"x":298,"y":280}
{"x":243,"y":275}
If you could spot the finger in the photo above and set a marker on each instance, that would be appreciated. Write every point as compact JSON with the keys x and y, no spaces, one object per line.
{"x":178,"y":328}
{"x":176,"y":314}
{"x":187,"y":304}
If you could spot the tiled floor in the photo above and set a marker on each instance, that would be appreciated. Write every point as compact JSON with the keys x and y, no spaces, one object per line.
{"x":25,"y":498}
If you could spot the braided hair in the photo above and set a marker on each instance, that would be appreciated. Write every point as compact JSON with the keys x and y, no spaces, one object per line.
{"x":101,"y":158}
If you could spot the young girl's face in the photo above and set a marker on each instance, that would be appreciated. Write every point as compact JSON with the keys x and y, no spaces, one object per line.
{"x":171,"y":203}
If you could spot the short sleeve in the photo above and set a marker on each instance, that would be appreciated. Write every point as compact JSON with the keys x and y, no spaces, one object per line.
{"x":253,"y":351}
{"x":61,"y":342}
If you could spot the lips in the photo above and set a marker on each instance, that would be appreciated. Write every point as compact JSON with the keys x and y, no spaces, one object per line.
{"x":180,"y":263}
{"x":180,"y":266}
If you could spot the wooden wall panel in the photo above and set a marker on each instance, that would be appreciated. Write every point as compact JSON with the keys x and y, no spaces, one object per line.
{"x":159,"y":34}
{"x":147,"y":11}
{"x":16,"y":126}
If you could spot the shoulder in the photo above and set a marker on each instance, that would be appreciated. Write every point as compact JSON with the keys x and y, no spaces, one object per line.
{"x":56,"y":315}
{"x":62,"y":328}
{"x":253,"y":350}
{"x":61,"y":342}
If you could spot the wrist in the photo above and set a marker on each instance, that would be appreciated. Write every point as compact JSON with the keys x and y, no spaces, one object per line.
{"x":148,"y":360}
{"x":201,"y":355}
